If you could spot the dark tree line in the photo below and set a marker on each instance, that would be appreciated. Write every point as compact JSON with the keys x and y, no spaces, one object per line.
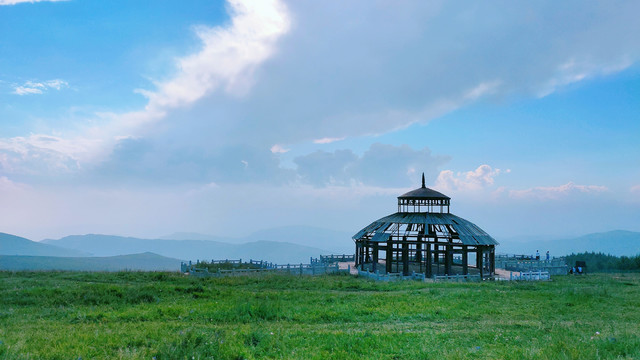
{"x":603,"y":262}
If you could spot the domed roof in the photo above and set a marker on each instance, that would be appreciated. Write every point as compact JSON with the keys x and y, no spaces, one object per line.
{"x":468,"y":232}
{"x":424,"y":193}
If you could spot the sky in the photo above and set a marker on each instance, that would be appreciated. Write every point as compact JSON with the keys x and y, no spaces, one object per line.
{"x":144,"y":118}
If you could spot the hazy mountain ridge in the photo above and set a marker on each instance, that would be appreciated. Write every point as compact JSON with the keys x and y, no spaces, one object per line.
{"x":332,"y":240}
{"x":109,"y":245}
{"x":138,"y":262}
{"x":616,"y":242}
{"x":16,"y":245}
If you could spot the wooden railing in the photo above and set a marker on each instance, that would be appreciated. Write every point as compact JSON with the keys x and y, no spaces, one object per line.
{"x":330,"y":259}
{"x":296,"y":269}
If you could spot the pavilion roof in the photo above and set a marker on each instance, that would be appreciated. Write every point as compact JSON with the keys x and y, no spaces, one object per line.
{"x":468,"y":232}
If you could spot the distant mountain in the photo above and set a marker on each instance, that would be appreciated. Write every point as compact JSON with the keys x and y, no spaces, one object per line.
{"x":196,"y":236}
{"x":617,"y":242}
{"x":16,"y":245}
{"x":335,"y":242}
{"x":138,"y":262}
{"x":108,"y":245}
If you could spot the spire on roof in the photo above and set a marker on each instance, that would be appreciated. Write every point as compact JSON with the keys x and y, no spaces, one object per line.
{"x":423,"y":180}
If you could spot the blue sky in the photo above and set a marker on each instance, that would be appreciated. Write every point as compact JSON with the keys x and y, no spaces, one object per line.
{"x":152,"y":117}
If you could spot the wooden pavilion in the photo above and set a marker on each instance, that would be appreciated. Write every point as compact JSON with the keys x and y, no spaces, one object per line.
{"x":424,"y":237}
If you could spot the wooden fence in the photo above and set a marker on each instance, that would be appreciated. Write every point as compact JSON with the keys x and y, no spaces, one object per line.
{"x":294,"y":269}
{"x":331,"y":259}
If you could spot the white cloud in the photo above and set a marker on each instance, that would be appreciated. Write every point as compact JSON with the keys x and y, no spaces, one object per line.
{"x":229,"y":55}
{"x":635,"y":189}
{"x":278,"y":149}
{"x":574,"y":71}
{"x":482,"y":89}
{"x":327,"y":140}
{"x":56,"y":84}
{"x":14,"y":2}
{"x":477,"y":179}
{"x":32,"y":88}
{"x":556,"y":192}
{"x":8,"y":186}
{"x":41,"y":154}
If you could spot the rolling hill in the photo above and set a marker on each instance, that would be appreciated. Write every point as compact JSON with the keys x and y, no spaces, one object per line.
{"x":617,"y":242}
{"x":138,"y":262}
{"x":109,"y":245}
{"x":335,"y":242}
{"x":16,"y":245}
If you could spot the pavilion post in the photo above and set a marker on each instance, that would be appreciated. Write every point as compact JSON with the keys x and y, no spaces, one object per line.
{"x":429,"y":271}
{"x":479,"y":258}
{"x":405,"y":258}
{"x":375,"y":256}
{"x":389,"y":255}
{"x":465,"y":260}
{"x":448,"y":259}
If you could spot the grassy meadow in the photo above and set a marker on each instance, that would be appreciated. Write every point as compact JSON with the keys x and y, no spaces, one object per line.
{"x":137,"y":315}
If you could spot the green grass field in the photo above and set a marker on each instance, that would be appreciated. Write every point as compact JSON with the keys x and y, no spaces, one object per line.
{"x":129,"y":315}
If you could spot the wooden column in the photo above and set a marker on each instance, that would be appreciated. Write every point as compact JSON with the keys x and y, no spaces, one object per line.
{"x":492,"y":260}
{"x":389,"y":255}
{"x":419,"y":254}
{"x":405,"y":257}
{"x":375,"y":256}
{"x":448,"y":259}
{"x":428,"y":270}
{"x":465,"y":260}
{"x":479,"y":258}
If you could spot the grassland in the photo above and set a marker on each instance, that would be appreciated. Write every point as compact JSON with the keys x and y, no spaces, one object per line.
{"x":129,"y":315}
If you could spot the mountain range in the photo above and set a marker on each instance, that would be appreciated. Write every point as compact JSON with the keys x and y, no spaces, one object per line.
{"x":109,"y":245}
{"x":335,"y":242}
{"x":617,"y":242}
{"x":293,"y":245}
{"x":135,"y":262}
{"x":16,"y":245}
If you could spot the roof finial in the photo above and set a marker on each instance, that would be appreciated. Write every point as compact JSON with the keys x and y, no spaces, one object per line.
{"x":423,"y":180}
